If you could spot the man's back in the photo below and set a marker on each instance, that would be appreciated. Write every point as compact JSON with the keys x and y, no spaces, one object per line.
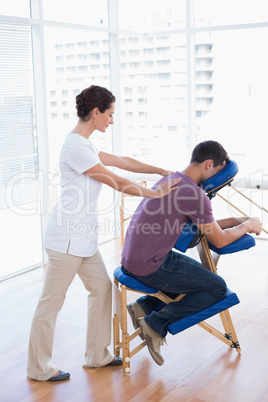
{"x":157,"y":224}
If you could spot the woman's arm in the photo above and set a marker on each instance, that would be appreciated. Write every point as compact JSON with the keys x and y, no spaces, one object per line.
{"x":130,"y":164}
{"x":100,"y":173}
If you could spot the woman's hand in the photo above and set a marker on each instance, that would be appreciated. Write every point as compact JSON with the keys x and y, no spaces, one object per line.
{"x":165,"y":188}
{"x":164,"y":172}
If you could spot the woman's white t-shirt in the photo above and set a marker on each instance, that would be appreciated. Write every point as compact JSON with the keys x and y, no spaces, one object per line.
{"x":73,"y":225}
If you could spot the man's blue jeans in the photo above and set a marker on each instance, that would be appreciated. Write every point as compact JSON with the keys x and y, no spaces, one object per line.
{"x":177,"y":274}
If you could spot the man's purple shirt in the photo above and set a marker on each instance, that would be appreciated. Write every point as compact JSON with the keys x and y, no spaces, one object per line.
{"x":157,"y":224}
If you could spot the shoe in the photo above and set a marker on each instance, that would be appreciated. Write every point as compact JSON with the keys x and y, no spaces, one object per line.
{"x":60,"y":377}
{"x":135,"y":311}
{"x":116,"y":362}
{"x":153,"y":341}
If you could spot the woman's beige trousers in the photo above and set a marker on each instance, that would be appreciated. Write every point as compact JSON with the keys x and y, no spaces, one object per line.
{"x":60,"y":272}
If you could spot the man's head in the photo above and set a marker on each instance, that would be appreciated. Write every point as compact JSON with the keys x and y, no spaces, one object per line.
{"x":208,"y":157}
{"x":210,"y":150}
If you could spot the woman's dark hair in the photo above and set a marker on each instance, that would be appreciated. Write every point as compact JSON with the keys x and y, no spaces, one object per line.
{"x":209,"y":150}
{"x":92,"y":97}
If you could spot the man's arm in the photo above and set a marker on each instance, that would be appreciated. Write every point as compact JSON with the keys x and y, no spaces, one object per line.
{"x":231,"y":222}
{"x":226,"y":231}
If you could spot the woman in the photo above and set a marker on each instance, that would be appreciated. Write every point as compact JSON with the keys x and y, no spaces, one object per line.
{"x":71,"y":236}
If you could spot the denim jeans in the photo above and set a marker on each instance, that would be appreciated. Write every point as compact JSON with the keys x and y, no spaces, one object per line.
{"x":177,"y":274}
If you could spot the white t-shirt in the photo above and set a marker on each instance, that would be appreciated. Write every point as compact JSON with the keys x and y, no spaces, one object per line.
{"x":73,"y":226}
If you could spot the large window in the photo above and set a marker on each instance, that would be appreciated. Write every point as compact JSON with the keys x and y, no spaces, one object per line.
{"x":182,"y":71}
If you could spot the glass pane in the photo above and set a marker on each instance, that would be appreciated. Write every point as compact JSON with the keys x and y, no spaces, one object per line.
{"x":20,"y":230}
{"x":17,"y":8}
{"x":75,"y":60}
{"x":151,"y":15}
{"x":154,"y":99}
{"x":79,"y":11}
{"x":211,"y":12}
{"x":235,"y":111}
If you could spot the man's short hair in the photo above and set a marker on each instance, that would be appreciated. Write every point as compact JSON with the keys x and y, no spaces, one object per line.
{"x":209,"y":150}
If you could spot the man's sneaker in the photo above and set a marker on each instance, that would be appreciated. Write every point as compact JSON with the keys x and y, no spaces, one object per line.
{"x":153,"y":341}
{"x":136,"y":312}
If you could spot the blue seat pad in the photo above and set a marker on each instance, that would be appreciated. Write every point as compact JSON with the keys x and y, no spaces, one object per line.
{"x":132,"y":282}
{"x":244,"y":243}
{"x":229,"y":300}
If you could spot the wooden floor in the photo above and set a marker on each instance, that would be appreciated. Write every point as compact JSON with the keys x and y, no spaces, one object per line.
{"x":198,"y":367}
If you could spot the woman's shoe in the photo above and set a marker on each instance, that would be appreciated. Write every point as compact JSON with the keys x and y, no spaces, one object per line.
{"x":116,"y":362}
{"x":60,"y":377}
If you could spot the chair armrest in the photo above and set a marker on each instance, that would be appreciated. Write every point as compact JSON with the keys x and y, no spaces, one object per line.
{"x":245,"y":242}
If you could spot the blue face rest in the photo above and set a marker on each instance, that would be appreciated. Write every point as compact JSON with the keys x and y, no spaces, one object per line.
{"x":221,"y":178}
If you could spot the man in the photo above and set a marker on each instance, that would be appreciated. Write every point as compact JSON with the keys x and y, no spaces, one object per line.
{"x":147,"y":253}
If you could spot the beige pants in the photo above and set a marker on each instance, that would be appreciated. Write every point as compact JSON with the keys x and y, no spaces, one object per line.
{"x":61,"y":270}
